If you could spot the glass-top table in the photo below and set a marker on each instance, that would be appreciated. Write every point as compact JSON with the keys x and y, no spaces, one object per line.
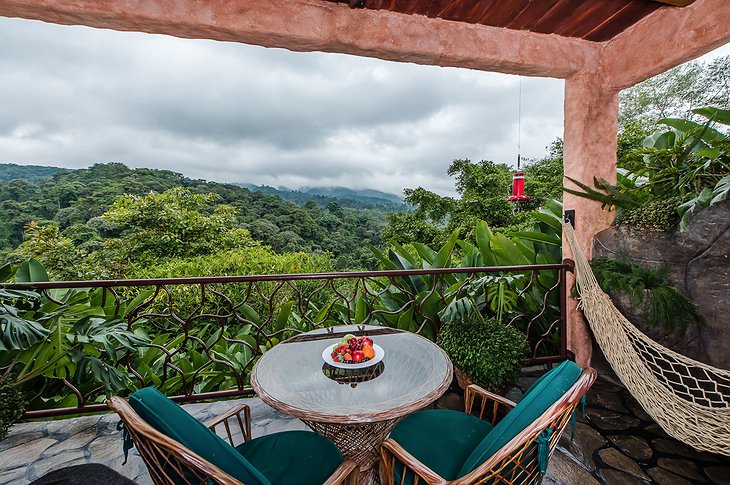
{"x":356,"y":409}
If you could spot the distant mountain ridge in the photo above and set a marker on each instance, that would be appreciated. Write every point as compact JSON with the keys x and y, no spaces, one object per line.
{"x":343,"y":195}
{"x":12,"y":171}
{"x":346,"y":197}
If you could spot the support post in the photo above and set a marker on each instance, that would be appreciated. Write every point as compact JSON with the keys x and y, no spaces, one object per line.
{"x":590,"y":136}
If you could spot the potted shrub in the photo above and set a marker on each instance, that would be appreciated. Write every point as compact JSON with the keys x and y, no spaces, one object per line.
{"x":485,"y":352}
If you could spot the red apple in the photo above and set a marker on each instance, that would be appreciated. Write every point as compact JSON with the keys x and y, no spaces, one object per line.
{"x":357,"y":356}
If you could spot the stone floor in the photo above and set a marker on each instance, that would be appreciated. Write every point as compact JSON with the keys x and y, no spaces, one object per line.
{"x":617,"y":443}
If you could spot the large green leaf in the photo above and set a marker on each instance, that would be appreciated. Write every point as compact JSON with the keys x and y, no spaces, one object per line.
{"x":31,"y":271}
{"x":405,"y":320}
{"x":401,"y":251}
{"x":425,"y":252}
{"x":549,"y":218}
{"x":444,"y":255}
{"x":705,"y":132}
{"x":6,"y":272}
{"x":484,"y":236}
{"x":384,"y":261}
{"x":702,"y":201}
{"x":416,"y":283}
{"x":139,"y":300}
{"x":458,"y":309}
{"x":715,"y":114}
{"x":507,"y":253}
{"x":538,"y":237}
{"x":361,"y":309}
{"x":17,"y":333}
{"x":722,"y":190}
{"x":283,"y":316}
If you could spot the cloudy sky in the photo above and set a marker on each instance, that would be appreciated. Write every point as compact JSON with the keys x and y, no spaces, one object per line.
{"x":74,"y":96}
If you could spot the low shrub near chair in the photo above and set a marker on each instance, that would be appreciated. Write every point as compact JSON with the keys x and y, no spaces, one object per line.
{"x":12,"y":405}
{"x":487,"y":351}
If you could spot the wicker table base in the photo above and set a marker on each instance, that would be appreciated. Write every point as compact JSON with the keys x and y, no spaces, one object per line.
{"x":358,"y":442}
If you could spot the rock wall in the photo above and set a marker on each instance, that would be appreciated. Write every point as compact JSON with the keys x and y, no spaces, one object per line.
{"x":700,"y":266}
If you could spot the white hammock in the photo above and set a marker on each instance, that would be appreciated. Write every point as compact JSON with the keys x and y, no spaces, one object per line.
{"x":688,"y":399}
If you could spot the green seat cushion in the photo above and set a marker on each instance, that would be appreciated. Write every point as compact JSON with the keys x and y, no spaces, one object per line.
{"x":543,"y":394}
{"x":441,"y":439}
{"x":173,"y":421}
{"x":293,"y":457}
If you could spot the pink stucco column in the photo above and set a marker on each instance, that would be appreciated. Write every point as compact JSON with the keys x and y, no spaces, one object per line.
{"x":590,"y":131}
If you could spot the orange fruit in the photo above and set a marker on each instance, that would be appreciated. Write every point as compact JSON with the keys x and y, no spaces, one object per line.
{"x":368,"y":351}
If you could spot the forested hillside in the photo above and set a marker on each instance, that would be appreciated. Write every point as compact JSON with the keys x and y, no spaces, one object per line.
{"x":75,"y":200}
{"x":367,"y":199}
{"x":12,"y":171}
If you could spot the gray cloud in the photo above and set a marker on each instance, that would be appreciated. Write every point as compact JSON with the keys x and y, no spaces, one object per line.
{"x":73,"y":96}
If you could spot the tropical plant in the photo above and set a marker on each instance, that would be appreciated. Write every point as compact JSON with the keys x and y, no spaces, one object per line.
{"x":69,"y":334}
{"x":424,"y":303}
{"x":649,"y":290}
{"x":689,"y":164}
{"x":487,"y":351}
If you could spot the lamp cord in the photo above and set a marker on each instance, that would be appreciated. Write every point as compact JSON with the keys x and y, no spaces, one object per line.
{"x":519,"y":122}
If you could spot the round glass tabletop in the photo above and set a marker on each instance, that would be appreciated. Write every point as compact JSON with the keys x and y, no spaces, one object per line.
{"x":293,"y":377}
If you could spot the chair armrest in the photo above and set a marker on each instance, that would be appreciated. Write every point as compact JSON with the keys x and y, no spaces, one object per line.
{"x":244,"y":423}
{"x":390,"y":450}
{"x":473,"y":391}
{"x":345,"y":474}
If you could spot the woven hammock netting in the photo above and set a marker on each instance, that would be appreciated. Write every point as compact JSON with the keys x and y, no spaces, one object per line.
{"x":688,"y":399}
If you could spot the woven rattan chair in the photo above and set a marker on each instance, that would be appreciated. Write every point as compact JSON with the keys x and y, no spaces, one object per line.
{"x":449,"y":447}
{"x":170,"y":462}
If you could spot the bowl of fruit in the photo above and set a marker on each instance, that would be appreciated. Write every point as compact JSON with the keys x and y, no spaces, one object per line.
{"x":353,"y":353}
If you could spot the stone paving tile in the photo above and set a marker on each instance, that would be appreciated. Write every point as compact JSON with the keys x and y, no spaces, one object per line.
{"x":633,"y":446}
{"x":664,"y":477}
{"x":581,"y":443}
{"x":562,"y":470}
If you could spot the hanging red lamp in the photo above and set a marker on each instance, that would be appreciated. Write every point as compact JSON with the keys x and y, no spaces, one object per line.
{"x":518,"y":178}
{"x":518,"y":185}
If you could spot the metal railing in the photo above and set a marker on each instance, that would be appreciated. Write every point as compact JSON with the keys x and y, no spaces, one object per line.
{"x":206,"y":333}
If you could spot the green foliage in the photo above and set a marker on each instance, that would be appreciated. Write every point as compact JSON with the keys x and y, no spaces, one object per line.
{"x":12,"y":405}
{"x":655,"y":215}
{"x":74,"y":201}
{"x":688,"y":164}
{"x":488,"y":351}
{"x":453,"y":296}
{"x":483,"y":188}
{"x":54,"y":252}
{"x":174,"y":224}
{"x":68,"y":334}
{"x":648,"y":289}
{"x":630,"y":143}
{"x":12,"y":171}
{"x":677,"y":92}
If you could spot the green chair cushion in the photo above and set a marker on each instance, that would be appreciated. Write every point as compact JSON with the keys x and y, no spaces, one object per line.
{"x":533,"y":404}
{"x":173,"y":421}
{"x":441,"y":439}
{"x":293,"y":457}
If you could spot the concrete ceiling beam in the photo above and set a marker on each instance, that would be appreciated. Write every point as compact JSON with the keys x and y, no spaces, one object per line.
{"x":663,"y":40}
{"x":315,"y":25}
